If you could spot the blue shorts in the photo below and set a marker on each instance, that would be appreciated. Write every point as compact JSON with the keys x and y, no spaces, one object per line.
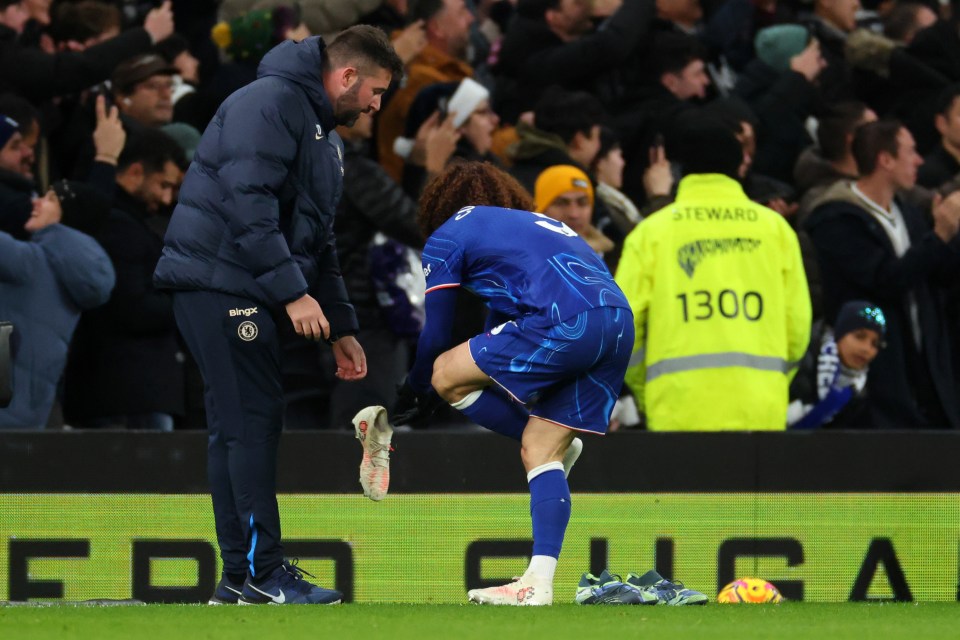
{"x":568,"y":373}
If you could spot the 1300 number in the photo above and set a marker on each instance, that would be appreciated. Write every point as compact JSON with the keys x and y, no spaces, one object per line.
{"x":702,"y":305}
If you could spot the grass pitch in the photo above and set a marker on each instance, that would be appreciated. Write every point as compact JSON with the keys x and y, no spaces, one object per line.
{"x":468,"y":622}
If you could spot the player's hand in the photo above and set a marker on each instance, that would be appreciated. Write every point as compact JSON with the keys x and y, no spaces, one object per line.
{"x":308,"y":319}
{"x":351,"y":360}
{"x":412,"y":407}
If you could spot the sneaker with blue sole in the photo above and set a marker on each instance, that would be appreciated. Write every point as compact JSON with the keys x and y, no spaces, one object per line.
{"x":608,"y":588}
{"x":227,"y":591}
{"x":666,"y":591}
{"x":286,"y":585}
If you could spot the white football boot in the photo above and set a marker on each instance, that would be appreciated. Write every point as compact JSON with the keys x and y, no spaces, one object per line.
{"x":522,"y":592}
{"x":572,"y":455}
{"x":374,"y":433}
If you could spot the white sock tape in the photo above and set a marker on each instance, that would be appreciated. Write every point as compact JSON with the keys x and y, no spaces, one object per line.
{"x":550,"y":466}
{"x":467,"y":400}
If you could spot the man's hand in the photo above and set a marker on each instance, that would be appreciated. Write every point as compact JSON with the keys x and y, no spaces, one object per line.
{"x":159,"y":22}
{"x":784,"y":208}
{"x":412,"y":407}
{"x":308,"y":319}
{"x":658,"y":178}
{"x":109,"y":136}
{"x":410,"y":41}
{"x":351,"y":361}
{"x":946,"y":215}
{"x":440,"y":144}
{"x":46,"y":211}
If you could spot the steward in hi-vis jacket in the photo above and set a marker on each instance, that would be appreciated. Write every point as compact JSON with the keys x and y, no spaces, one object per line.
{"x":720,"y":301}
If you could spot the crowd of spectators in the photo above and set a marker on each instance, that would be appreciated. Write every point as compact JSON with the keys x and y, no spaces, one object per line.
{"x":847,"y":111}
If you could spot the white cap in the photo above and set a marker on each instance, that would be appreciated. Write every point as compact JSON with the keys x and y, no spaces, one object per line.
{"x":465,"y":99}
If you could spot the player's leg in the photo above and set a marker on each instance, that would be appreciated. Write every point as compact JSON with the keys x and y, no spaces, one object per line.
{"x":543,"y":448}
{"x":480,"y":379}
{"x":589,"y":351}
{"x":458,"y":380}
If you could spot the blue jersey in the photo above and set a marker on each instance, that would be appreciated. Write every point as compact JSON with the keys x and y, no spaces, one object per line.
{"x":520,"y":263}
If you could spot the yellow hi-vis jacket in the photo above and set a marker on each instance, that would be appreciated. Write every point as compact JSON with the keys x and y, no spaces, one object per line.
{"x":721,"y":309}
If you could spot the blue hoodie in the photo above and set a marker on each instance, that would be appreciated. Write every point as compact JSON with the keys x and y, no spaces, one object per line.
{"x":44,"y":285}
{"x":256,"y":210}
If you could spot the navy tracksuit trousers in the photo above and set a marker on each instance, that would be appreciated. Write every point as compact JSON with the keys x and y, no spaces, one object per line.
{"x":235,"y":343}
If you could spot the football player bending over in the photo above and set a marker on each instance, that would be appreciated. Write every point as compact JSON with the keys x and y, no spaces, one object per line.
{"x":552,"y":359}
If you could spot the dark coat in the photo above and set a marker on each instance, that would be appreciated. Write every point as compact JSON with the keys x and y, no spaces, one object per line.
{"x":38,"y":75}
{"x":535,"y":152}
{"x":372,"y":201}
{"x":652,"y":115}
{"x":256,"y":211}
{"x":16,"y":203}
{"x":938,"y":168}
{"x":782,"y":103}
{"x":533,"y":58}
{"x":126,"y":359}
{"x":938,"y":46}
{"x":836,"y":80}
{"x":858,"y":262}
{"x":44,"y":285}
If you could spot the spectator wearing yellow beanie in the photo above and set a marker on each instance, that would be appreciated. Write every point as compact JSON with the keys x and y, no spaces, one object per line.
{"x":565,"y":193}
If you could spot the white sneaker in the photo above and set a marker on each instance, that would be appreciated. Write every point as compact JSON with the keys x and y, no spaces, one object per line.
{"x":522,"y":592}
{"x":572,"y":455}
{"x":374,"y":433}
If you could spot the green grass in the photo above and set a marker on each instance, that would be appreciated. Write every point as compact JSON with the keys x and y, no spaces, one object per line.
{"x":468,"y":622}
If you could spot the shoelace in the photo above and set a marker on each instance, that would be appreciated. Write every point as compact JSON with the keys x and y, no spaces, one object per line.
{"x":615,"y":578}
{"x":376,"y":449}
{"x":670,"y":584}
{"x":295,"y":571}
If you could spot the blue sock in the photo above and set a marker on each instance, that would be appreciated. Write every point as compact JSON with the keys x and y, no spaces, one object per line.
{"x":493,"y":409}
{"x":549,"y":508}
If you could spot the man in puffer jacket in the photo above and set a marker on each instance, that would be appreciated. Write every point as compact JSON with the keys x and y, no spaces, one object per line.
{"x":44,"y":285}
{"x":251,"y":244}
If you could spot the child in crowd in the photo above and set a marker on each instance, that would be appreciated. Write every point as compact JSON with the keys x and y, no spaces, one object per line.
{"x":828,"y":387}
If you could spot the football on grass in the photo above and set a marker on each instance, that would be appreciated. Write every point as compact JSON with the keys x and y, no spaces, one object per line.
{"x":749,"y":591}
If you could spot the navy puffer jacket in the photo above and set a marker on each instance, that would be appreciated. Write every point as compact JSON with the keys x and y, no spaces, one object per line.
{"x":256,"y":210}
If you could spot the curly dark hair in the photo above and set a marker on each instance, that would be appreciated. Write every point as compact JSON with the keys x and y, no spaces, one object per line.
{"x":468,"y":183}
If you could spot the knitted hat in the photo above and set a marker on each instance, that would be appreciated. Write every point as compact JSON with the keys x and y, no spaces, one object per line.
{"x":557,"y":180}
{"x":186,"y":136}
{"x":8,"y":127}
{"x":705,"y":144}
{"x":776,"y":45}
{"x":859,"y":314}
{"x":250,"y":35}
